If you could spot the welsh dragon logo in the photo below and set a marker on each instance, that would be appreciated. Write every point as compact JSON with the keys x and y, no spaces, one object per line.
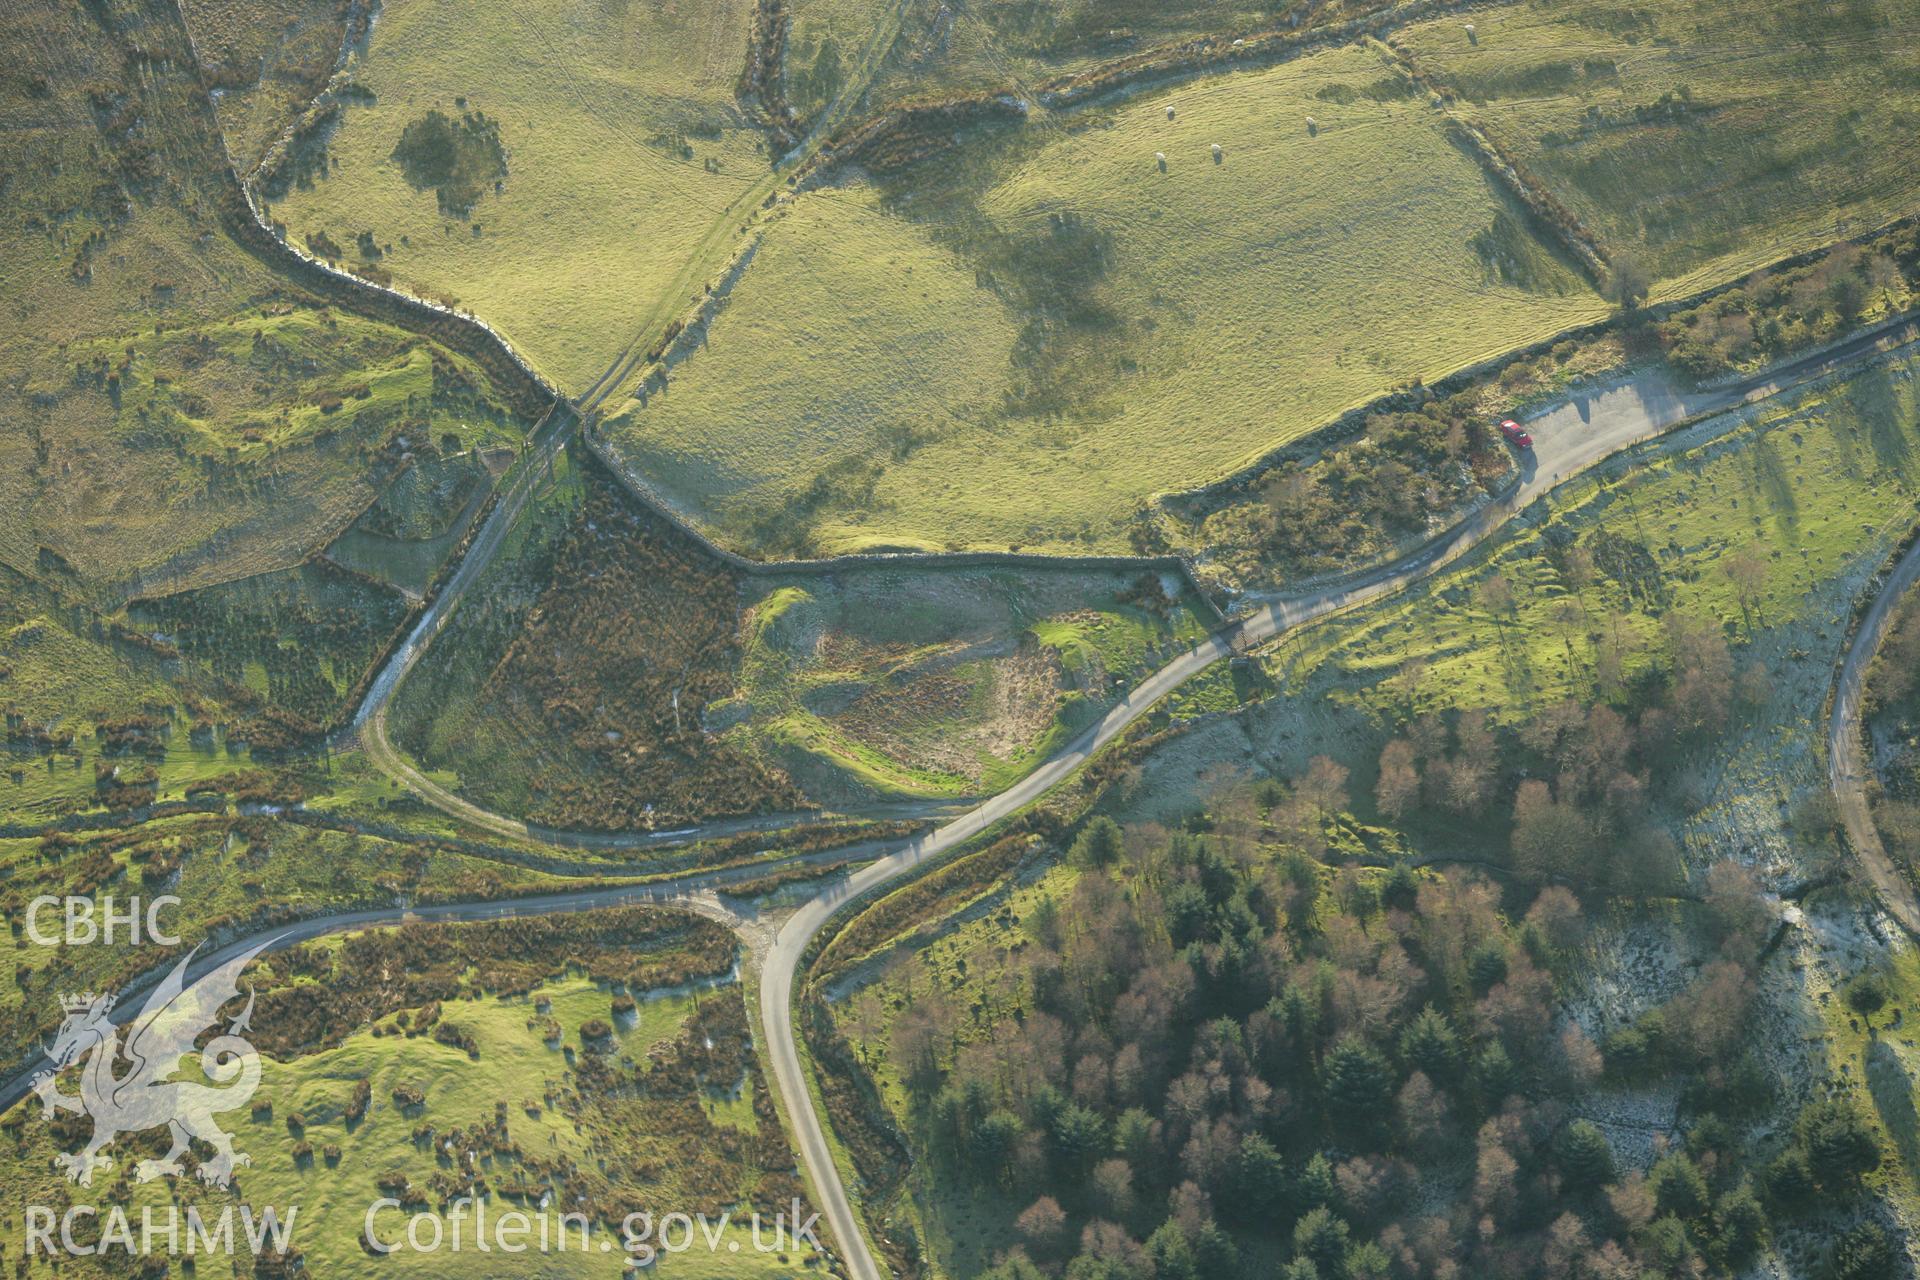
{"x":147,"y":1096}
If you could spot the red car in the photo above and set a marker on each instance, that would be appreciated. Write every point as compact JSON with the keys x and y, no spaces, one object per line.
{"x":1516,"y":434}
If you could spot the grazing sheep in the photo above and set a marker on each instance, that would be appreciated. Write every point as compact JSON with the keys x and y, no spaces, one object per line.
{"x":1169,"y":113}
{"x":1217,"y":153}
{"x":1473,"y":35}
{"x":1313,"y":126}
{"x":1160,"y":158}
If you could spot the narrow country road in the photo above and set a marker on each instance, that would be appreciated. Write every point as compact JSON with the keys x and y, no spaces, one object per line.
{"x":695,"y":890}
{"x":1569,"y":439}
{"x":543,"y":446}
{"x":1588,"y":429}
{"x":391,"y":761}
{"x":1847,"y":767}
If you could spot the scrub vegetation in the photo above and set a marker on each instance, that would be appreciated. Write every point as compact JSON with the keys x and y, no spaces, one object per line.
{"x":268,"y":58}
{"x":600,"y":1062}
{"x":1502,"y":925}
{"x":572,"y":688}
{"x":611,"y":674}
{"x":1894,"y":742}
{"x":1617,"y":708}
{"x":232,"y":871}
{"x":1023,"y":44}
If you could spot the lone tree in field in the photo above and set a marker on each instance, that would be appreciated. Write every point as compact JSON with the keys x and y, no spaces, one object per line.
{"x":1867,"y":995}
{"x":1628,"y":285}
{"x":1098,"y":845}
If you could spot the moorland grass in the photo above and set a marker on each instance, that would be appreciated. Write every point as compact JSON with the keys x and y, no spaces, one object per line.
{"x":276,"y":427}
{"x":178,"y":414}
{"x":1701,"y":139}
{"x":268,"y":57}
{"x":623,"y":144}
{"x":66,"y":674}
{"x":823,"y":38}
{"x":1166,"y":326}
{"x":516,"y":1092}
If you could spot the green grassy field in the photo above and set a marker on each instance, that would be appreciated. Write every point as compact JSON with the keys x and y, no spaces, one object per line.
{"x":1702,"y":139}
{"x":622,"y":145}
{"x":1876,"y":1064}
{"x":530,"y":1076}
{"x":850,"y":340}
{"x":1051,"y":329}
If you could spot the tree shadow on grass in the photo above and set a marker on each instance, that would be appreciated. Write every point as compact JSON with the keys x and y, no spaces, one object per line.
{"x":1876,"y":402}
{"x":1892,"y":1090}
